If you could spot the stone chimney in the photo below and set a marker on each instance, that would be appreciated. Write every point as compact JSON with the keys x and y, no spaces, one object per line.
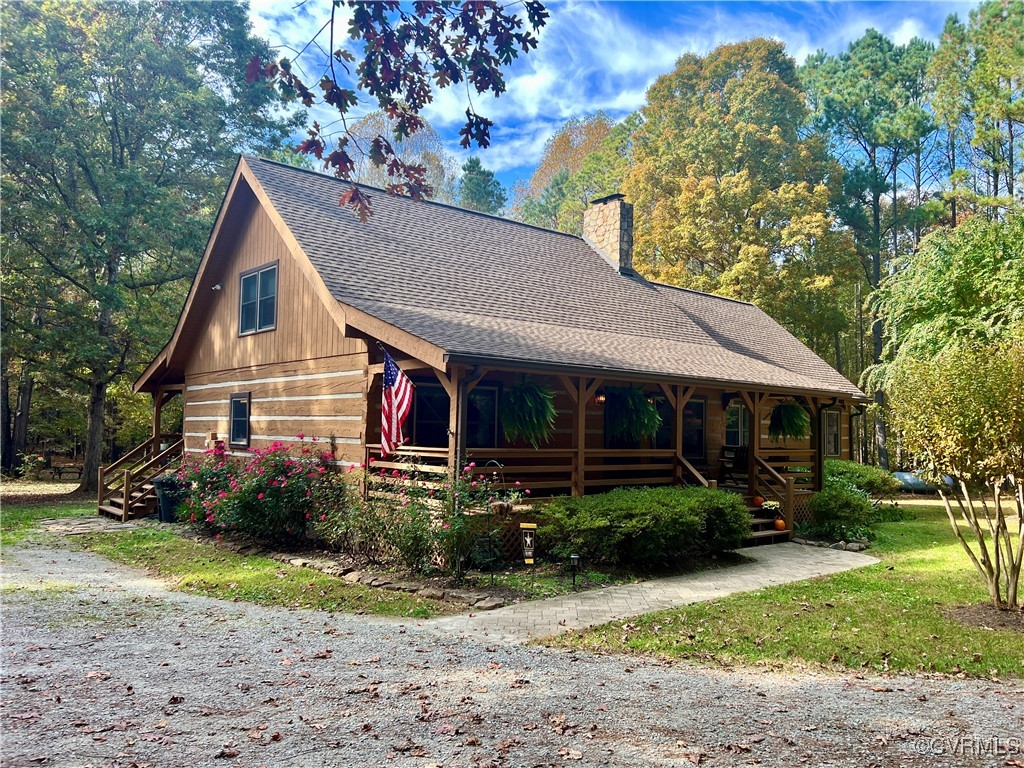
{"x":608,"y":228}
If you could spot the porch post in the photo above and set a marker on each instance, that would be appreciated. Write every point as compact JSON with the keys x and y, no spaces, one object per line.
{"x":580,"y":437}
{"x":584,"y":393}
{"x":754,"y":450}
{"x":456,"y":418}
{"x":682,"y":397}
{"x":158,"y":406}
{"x":818,"y":440}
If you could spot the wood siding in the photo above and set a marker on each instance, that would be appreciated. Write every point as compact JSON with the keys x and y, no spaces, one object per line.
{"x":322,"y":398}
{"x":304,"y":329}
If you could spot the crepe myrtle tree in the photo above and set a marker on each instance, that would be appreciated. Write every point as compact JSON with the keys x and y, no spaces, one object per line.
{"x":406,"y":52}
{"x":961,"y":414}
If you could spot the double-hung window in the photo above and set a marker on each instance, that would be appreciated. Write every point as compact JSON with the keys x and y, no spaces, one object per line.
{"x":257,"y":310}
{"x":239,"y":419}
{"x":737,"y":425}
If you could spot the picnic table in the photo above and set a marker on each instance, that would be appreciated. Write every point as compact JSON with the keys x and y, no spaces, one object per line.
{"x":60,"y":470}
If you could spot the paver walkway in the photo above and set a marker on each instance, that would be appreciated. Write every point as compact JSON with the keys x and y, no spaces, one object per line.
{"x":774,"y":564}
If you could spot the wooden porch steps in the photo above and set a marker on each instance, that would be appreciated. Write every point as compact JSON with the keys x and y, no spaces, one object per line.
{"x":763,"y":529}
{"x":126,"y":486}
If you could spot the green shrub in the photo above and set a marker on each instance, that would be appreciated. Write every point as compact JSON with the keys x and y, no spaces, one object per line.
{"x":726,"y":518}
{"x":336,"y":507}
{"x":644,"y":526}
{"x":840,"y":511}
{"x":874,"y":481}
{"x":409,"y":531}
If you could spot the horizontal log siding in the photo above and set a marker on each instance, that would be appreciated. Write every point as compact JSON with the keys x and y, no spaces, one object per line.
{"x":316,"y":398}
{"x":304,"y":329}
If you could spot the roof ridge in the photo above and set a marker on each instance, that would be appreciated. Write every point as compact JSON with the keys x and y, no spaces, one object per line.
{"x":705,"y":293}
{"x":437,"y":203}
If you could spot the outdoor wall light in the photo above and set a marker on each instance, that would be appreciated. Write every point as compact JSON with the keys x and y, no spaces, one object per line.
{"x":600,"y":398}
{"x":575,"y":560}
{"x":529,"y":534}
{"x":217,"y":287}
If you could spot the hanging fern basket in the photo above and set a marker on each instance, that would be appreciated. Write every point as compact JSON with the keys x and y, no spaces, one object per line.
{"x":788,"y":420}
{"x":631,"y":416}
{"x":528,"y":412}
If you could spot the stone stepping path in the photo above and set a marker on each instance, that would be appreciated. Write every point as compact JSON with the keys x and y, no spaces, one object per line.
{"x":770,"y":565}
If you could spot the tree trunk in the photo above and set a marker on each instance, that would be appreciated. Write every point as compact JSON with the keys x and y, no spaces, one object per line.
{"x":21,"y":413}
{"x":917,"y":194}
{"x":94,"y":436}
{"x":1009,"y":159}
{"x":952,"y":169}
{"x":6,"y":434}
{"x":839,"y":353}
{"x":876,"y":323}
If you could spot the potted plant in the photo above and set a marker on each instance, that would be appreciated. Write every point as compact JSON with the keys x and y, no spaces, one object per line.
{"x":631,"y":416}
{"x":788,"y":420}
{"x":528,"y":412}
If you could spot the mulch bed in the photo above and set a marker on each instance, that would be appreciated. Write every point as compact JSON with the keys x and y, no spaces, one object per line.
{"x":987,"y":617}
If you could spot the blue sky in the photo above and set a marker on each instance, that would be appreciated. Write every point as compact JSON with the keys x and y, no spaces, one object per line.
{"x":603,"y":56}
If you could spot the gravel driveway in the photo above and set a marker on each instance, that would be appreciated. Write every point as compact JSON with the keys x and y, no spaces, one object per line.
{"x":103,"y":666}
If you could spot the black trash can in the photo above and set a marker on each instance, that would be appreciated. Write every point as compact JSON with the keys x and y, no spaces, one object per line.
{"x":169,"y":493}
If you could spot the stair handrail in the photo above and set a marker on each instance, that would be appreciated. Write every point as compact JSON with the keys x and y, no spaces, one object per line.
{"x":141,"y":449}
{"x":158,"y":461}
{"x":135,"y":478}
{"x":784,"y":493}
{"x":694,"y":472}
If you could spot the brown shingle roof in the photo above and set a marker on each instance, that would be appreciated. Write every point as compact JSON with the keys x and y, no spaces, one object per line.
{"x":481,"y":287}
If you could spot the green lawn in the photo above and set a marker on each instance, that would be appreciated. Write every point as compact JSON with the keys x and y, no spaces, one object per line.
{"x":203,"y":569}
{"x":887,"y":617}
{"x":18,"y":520}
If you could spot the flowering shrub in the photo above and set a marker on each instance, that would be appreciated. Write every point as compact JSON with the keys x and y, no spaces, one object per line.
{"x":429,"y":518}
{"x":269,"y":496}
{"x":420,"y":517}
{"x":206,"y":478}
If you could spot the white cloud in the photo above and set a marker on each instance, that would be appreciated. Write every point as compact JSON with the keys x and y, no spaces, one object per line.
{"x":604,"y":55}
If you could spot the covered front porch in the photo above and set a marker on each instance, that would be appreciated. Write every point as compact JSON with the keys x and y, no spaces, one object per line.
{"x":710,"y":434}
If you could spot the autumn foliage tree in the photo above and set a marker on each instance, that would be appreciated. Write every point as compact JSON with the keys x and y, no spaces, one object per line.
{"x":402,"y":54}
{"x":733,"y":197}
{"x":955,"y":383}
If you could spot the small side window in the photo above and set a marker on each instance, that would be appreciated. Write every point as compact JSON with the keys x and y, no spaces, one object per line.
{"x":239,"y":418}
{"x":832,"y":433}
{"x":257,"y":305}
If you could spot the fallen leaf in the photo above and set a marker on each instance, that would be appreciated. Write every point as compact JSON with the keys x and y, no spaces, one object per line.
{"x":227,"y":752}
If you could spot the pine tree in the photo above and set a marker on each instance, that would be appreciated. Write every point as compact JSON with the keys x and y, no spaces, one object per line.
{"x":479,"y":190}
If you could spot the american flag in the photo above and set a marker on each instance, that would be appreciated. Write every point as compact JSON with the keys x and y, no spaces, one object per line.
{"x":396,"y":402}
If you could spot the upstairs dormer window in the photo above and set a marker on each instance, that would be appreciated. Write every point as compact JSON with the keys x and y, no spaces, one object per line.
{"x":257,"y":309}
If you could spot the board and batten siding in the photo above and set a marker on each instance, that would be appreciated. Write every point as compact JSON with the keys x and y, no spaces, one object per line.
{"x":305,"y":330}
{"x":303,"y":377}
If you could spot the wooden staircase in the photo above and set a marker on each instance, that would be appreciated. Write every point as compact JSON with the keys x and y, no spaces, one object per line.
{"x":762,"y":524}
{"x":126,"y":486}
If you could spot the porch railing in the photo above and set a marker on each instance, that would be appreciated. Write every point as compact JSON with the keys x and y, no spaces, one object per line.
{"x":797,"y":464}
{"x":551,"y":471}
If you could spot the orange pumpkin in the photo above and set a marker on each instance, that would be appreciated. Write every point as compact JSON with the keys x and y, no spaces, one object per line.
{"x":758,"y":501}
{"x":780,"y":524}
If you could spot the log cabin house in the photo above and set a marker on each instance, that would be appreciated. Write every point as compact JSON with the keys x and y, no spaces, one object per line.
{"x":279,"y":336}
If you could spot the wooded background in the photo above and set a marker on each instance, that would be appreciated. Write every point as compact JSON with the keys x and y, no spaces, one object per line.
{"x":868,"y":200}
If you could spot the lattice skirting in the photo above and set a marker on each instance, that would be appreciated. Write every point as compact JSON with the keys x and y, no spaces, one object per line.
{"x":801,"y":513}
